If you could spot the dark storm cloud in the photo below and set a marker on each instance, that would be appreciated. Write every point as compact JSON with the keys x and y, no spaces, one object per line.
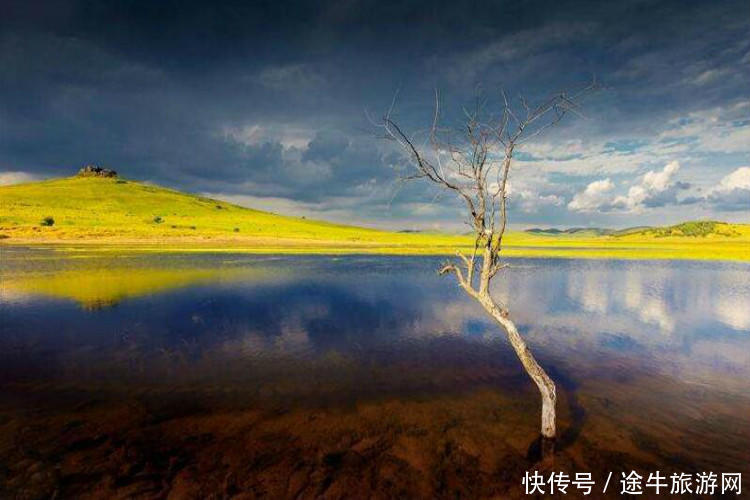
{"x":737,"y":199}
{"x":667,"y":197}
{"x":268,"y":98}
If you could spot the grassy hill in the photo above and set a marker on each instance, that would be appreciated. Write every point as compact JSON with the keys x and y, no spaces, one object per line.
{"x":117,"y":213}
{"x":692,"y":228}
{"x":697,"y":229}
{"x":94,"y":209}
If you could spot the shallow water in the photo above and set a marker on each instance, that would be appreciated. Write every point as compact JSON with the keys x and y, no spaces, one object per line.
{"x":289,"y":376}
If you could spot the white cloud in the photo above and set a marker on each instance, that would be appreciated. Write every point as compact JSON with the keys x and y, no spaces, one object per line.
{"x":739,"y":179}
{"x":7,"y":178}
{"x":655,"y":189}
{"x":659,"y":181}
{"x":528,"y":199}
{"x":594,"y":197}
{"x":733,"y":191}
{"x":717,"y":131}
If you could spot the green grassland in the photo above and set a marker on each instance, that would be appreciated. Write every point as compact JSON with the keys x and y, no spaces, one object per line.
{"x":104,"y":210}
{"x":115,"y":214}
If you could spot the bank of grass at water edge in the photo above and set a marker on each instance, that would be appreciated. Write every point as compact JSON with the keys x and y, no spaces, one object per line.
{"x":598,"y":250}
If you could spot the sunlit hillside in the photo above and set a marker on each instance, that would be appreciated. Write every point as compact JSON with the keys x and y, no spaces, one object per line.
{"x":111,"y":210}
{"x":116,"y":212}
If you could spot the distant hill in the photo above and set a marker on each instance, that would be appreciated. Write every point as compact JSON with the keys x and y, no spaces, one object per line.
{"x":685,"y":229}
{"x":694,"y":229}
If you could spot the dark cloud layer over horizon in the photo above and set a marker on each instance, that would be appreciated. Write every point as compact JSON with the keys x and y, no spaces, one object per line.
{"x":263,"y":103}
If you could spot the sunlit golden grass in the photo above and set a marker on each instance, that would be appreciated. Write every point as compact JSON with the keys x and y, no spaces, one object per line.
{"x":116,"y":215}
{"x":115,"y":210}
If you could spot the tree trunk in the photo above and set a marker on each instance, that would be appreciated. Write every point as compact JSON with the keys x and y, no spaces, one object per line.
{"x":537,"y":374}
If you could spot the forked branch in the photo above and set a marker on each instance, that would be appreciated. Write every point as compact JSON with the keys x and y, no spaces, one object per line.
{"x":474,"y":162}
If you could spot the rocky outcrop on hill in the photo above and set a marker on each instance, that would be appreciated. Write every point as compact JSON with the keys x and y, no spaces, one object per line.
{"x":96,"y":171}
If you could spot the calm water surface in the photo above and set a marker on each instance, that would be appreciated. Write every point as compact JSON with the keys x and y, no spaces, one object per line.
{"x":182,"y":375}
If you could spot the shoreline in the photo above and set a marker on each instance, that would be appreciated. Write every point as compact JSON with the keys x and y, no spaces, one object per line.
{"x":571,"y":249}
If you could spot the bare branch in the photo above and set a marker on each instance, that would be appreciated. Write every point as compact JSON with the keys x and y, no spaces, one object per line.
{"x":477,"y":150}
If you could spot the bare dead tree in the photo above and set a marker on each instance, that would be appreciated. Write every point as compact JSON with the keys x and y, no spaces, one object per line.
{"x":474,"y":163}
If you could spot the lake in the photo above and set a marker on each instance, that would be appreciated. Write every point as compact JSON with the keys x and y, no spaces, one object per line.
{"x":181,"y":375}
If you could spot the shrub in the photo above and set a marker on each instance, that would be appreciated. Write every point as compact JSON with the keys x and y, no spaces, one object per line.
{"x":48,"y":221}
{"x":698,"y":228}
{"x":158,"y":220}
